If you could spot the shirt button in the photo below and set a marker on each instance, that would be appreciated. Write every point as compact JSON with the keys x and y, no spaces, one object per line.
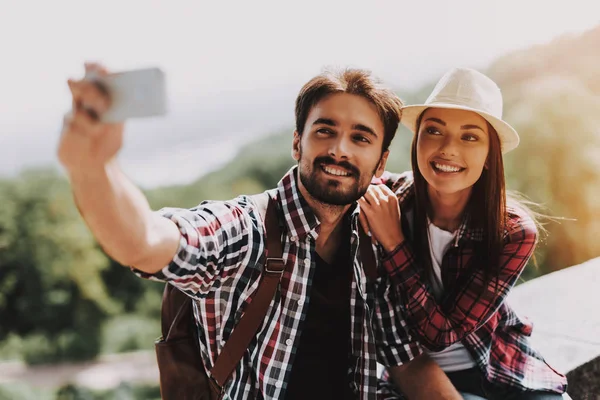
{"x":293,"y":238}
{"x":289,"y":342}
{"x":300,"y":302}
{"x":278,"y":384}
{"x":307,"y":262}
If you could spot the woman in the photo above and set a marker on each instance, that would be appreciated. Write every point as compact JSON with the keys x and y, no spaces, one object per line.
{"x":459,"y":245}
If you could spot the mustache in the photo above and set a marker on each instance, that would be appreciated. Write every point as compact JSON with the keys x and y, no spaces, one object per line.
{"x":331,"y":161}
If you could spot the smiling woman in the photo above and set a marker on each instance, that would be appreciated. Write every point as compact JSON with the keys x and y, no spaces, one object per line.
{"x":459,"y":245}
{"x":453,"y":147}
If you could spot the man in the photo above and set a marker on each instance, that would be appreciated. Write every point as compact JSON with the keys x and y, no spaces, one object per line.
{"x":326,"y":327}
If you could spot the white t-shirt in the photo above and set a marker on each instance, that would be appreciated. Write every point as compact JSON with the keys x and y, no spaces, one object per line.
{"x":455,"y":357}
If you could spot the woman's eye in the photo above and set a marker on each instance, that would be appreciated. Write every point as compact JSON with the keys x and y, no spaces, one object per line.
{"x":470,"y":138}
{"x":432,"y":131}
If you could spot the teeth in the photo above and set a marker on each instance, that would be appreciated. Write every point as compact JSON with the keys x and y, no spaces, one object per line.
{"x":335,"y":171}
{"x":446,"y":168}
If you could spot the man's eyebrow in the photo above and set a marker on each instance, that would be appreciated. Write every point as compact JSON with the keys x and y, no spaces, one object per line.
{"x":356,"y":127}
{"x":325,"y":121}
{"x":364,"y":128}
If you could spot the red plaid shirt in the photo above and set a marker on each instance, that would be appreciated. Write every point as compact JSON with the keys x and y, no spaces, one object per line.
{"x":219,"y":263}
{"x":491,"y":331}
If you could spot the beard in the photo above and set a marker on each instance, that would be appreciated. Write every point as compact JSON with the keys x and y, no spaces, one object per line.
{"x":331,"y":191}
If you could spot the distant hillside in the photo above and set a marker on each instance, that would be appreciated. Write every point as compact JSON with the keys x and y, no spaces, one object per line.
{"x":576,"y":56}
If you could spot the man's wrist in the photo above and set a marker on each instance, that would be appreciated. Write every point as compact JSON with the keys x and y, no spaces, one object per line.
{"x":90,"y":172}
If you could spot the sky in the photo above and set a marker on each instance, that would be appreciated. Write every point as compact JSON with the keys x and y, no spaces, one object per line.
{"x":234,"y":68}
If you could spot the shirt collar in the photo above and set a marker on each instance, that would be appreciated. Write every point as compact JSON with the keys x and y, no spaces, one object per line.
{"x":299,"y":217}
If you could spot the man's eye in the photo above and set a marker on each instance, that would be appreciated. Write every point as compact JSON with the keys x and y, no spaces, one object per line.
{"x":362,"y":138}
{"x":324,"y":131}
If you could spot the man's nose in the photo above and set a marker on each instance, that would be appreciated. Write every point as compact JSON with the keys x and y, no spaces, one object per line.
{"x":340,"y":148}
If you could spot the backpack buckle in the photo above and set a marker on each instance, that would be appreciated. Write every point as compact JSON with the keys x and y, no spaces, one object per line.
{"x":275,"y":265}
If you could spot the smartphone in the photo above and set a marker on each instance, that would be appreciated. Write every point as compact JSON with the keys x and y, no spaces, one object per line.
{"x":134,"y":94}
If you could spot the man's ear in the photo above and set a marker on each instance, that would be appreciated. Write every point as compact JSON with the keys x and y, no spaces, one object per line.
{"x":296,"y":146}
{"x":382,"y":162}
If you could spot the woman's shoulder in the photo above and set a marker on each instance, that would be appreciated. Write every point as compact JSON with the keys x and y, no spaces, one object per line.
{"x":520,"y":224}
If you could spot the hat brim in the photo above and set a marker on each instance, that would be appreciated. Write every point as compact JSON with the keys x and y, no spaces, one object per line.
{"x":509,"y":138}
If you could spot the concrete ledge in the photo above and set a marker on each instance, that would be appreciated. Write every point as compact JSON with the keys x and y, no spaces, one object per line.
{"x":565,"y":309}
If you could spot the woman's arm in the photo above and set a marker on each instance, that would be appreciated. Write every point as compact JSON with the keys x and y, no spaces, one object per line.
{"x":462,"y":310}
{"x":466,"y":308}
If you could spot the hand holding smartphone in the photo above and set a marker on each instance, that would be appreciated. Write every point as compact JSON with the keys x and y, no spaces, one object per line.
{"x":133,"y":94}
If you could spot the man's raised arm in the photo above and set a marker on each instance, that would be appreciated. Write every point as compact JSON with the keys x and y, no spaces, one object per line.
{"x":115,"y":210}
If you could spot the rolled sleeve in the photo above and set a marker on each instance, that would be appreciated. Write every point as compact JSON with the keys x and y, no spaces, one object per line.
{"x":215,"y":238}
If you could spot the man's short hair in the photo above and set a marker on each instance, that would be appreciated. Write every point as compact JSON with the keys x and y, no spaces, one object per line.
{"x":352,"y":81}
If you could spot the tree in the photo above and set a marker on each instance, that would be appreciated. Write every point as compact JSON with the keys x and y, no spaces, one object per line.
{"x":51,"y":288}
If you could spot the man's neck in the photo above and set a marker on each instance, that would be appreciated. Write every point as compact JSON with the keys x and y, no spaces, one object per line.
{"x":447,"y":210}
{"x":331,"y":223}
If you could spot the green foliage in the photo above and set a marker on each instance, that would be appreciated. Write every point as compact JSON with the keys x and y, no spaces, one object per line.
{"x":127,"y":288}
{"x":130,"y":332}
{"x":74,"y":392}
{"x":24,"y":392}
{"x":56,"y":286}
{"x":122,"y":392}
{"x":11,"y":348}
{"x":50,"y":269}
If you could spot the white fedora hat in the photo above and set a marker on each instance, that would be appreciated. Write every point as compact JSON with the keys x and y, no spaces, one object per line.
{"x":466,"y":89}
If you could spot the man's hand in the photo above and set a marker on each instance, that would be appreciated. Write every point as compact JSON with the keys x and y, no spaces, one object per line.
{"x":86,"y":144}
{"x":422,"y":378}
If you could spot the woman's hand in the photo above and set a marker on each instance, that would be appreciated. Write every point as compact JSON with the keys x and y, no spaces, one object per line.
{"x":380,"y":215}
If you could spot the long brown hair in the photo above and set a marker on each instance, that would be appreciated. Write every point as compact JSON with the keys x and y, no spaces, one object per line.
{"x":486,"y":209}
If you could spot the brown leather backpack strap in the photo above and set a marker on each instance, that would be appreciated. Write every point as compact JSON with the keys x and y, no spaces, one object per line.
{"x":366,"y":255}
{"x":248,"y":325}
